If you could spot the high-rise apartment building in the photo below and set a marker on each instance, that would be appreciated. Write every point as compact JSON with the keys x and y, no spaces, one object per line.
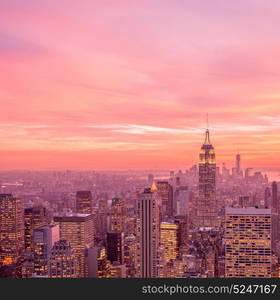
{"x":247,"y":242}
{"x":78,"y":230}
{"x":11,"y":229}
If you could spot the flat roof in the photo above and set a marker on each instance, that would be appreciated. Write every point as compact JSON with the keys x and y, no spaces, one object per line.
{"x":247,"y":211}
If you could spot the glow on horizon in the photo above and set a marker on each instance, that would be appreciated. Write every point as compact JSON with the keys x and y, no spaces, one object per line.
{"x":124,"y":84}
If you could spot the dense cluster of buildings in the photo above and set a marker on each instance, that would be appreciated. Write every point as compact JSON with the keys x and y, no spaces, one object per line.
{"x":204,"y":222}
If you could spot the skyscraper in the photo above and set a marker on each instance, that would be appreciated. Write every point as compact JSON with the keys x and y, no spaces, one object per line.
{"x":237,"y":163}
{"x":274,"y":195}
{"x":101,"y":220}
{"x":78,"y":230}
{"x":165,"y":192}
{"x":115,"y":247}
{"x":183,"y":231}
{"x":117,"y":214}
{"x":11,"y":229}
{"x":248,"y":242}
{"x":182,"y":201}
{"x":62,"y":262}
{"x":44,"y":238}
{"x":33,"y":217}
{"x":207,"y":213}
{"x":84,"y":202}
{"x":130,"y":254}
{"x":148,"y":234}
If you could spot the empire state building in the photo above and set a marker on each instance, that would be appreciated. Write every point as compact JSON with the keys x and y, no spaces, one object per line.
{"x":207,"y":213}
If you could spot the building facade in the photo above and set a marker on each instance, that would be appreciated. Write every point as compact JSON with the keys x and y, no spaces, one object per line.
{"x":11,"y":229}
{"x":62,"y":263}
{"x":78,"y":230}
{"x":248,"y":242}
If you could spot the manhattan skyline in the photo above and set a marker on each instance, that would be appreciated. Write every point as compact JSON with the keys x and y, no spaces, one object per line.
{"x":126,"y":85}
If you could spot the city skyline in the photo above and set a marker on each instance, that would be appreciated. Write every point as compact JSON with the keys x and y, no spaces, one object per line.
{"x":203,"y":222}
{"x":93,"y":86}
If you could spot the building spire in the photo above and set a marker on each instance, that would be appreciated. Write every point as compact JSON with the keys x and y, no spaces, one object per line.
{"x":207,"y":134}
{"x":154,"y":187}
{"x":207,"y":138}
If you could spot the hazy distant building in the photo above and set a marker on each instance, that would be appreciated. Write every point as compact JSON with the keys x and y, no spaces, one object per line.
{"x":11,"y":229}
{"x":182,"y":201}
{"x":237,"y":163}
{"x":84,"y":202}
{"x":101,"y":219}
{"x":248,"y":174}
{"x":78,"y":230}
{"x":247,"y":242}
{"x":207,"y":211}
{"x":244,"y":201}
{"x":274,"y":189}
{"x":150,"y":179}
{"x":267,"y":197}
{"x":148,"y":233}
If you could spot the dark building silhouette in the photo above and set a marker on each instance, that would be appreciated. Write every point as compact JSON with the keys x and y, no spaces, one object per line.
{"x":115,"y":247}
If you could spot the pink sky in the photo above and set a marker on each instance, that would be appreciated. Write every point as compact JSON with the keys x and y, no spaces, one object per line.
{"x":127,"y":84}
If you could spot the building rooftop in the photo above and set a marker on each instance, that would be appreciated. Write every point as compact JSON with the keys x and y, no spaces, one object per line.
{"x":247,"y":211}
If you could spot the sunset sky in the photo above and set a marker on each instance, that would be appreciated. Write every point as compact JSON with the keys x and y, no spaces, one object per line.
{"x":127,"y":84}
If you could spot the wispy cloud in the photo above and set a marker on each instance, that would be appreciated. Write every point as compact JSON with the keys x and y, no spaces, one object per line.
{"x":144,"y":129}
